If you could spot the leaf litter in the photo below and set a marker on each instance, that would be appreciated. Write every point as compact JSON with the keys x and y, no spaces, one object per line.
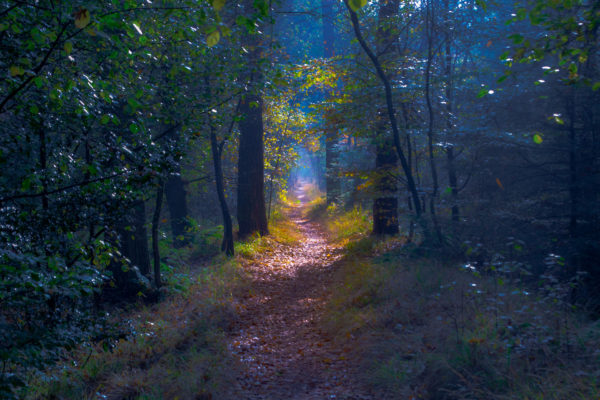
{"x":283,"y":353}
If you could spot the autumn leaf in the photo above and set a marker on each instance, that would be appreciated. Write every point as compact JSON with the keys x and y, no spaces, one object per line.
{"x":218,"y":4}
{"x":356,"y":5}
{"x":82,"y":18}
{"x":68,"y":47}
{"x":15,"y":70}
{"x":213,"y":39}
{"x":499,"y":183}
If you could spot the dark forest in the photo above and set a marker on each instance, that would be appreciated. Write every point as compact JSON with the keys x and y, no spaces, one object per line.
{"x":300,"y":199}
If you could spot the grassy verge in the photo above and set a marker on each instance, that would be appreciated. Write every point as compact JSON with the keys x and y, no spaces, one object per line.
{"x":177,"y":348}
{"x":426,"y":328}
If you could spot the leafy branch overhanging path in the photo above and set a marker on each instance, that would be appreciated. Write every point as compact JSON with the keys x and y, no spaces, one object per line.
{"x":283,"y":351}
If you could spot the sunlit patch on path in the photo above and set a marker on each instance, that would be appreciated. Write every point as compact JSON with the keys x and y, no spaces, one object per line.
{"x":282,"y":351}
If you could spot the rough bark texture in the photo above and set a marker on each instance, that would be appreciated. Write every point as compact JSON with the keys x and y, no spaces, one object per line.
{"x":332,"y":181}
{"x":385,"y":206}
{"x":177,"y":203}
{"x":450,"y":156}
{"x":131,"y":278}
{"x":155,"y":225}
{"x":412,"y":187}
{"x":251,"y":213}
{"x":227,"y":244}
{"x":134,"y":238}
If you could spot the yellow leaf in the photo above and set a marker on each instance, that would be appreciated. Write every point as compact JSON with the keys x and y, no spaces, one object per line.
{"x":499,"y":183}
{"x":356,"y":5}
{"x":213,"y":39}
{"x":16,"y":70}
{"x":218,"y":4}
{"x":82,"y":18}
{"x":68,"y":47}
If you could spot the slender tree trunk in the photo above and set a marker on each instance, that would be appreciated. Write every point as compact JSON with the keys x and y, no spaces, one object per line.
{"x":450,"y":158}
{"x":251,"y":212}
{"x":429,"y":27}
{"x":392,"y":116}
{"x":573,"y":169}
{"x":227,"y":244}
{"x":177,"y":203}
{"x":43,"y":166}
{"x":385,"y":205}
{"x":155,"y":238}
{"x":252,"y":216}
{"x":332,"y":180}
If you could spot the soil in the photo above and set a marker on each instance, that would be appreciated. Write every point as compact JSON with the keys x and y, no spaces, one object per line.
{"x":283,"y":352}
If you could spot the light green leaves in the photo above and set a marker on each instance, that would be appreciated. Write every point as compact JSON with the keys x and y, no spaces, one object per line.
{"x":218,"y":4}
{"x":68,"y":47}
{"x":356,"y":5}
{"x":15,"y":70}
{"x":537,"y":138}
{"x":82,"y":18}
{"x":213,"y":38}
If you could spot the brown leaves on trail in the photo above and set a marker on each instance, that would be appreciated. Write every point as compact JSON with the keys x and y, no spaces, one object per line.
{"x":282,"y":352}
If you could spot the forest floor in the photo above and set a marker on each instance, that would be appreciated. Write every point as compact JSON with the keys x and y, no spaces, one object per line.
{"x":284,"y":352}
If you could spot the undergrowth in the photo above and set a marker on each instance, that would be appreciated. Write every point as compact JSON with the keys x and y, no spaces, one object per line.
{"x":174,"y":349}
{"x":427,"y":328}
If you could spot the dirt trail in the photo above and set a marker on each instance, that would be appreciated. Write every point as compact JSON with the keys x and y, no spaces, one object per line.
{"x":283,"y":352}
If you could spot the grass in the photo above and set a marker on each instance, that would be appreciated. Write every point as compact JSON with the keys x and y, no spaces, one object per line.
{"x":424,"y":327}
{"x":177,"y":348}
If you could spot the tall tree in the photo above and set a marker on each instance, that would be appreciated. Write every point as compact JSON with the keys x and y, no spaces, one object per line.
{"x":332,"y":181}
{"x":391,"y":113}
{"x":251,"y":210}
{"x":385,"y":205}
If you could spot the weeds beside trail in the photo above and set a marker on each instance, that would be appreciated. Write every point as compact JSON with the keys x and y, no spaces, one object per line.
{"x":322,"y":310}
{"x":425,"y":327}
{"x":283,"y":351}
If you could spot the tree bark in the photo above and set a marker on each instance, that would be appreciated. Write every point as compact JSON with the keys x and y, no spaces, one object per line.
{"x":385,"y":205}
{"x":251,"y":210}
{"x":252,"y":216}
{"x":392,"y":117}
{"x":450,"y":157}
{"x":227,"y":243}
{"x":332,"y":180}
{"x":155,"y":238}
{"x":429,"y":27}
{"x":177,"y":204}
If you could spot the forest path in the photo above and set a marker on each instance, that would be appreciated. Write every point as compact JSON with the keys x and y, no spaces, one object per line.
{"x":282,"y":350}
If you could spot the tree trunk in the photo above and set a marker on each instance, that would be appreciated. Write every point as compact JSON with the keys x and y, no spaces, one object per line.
{"x":155,"y":239}
{"x":134,"y":238}
{"x":450,"y":158}
{"x":252,"y":216}
{"x":429,"y":27}
{"x":332,"y":180}
{"x":251,"y":211}
{"x":130,"y":278}
{"x":227,"y":244}
{"x":176,"y":201}
{"x":385,"y":205}
{"x":391,"y":114}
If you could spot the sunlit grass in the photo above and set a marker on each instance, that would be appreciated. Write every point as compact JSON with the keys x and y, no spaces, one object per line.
{"x":175,"y":348}
{"x":425,"y":328}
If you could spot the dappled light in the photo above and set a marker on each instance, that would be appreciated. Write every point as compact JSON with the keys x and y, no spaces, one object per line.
{"x":299,"y":199}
